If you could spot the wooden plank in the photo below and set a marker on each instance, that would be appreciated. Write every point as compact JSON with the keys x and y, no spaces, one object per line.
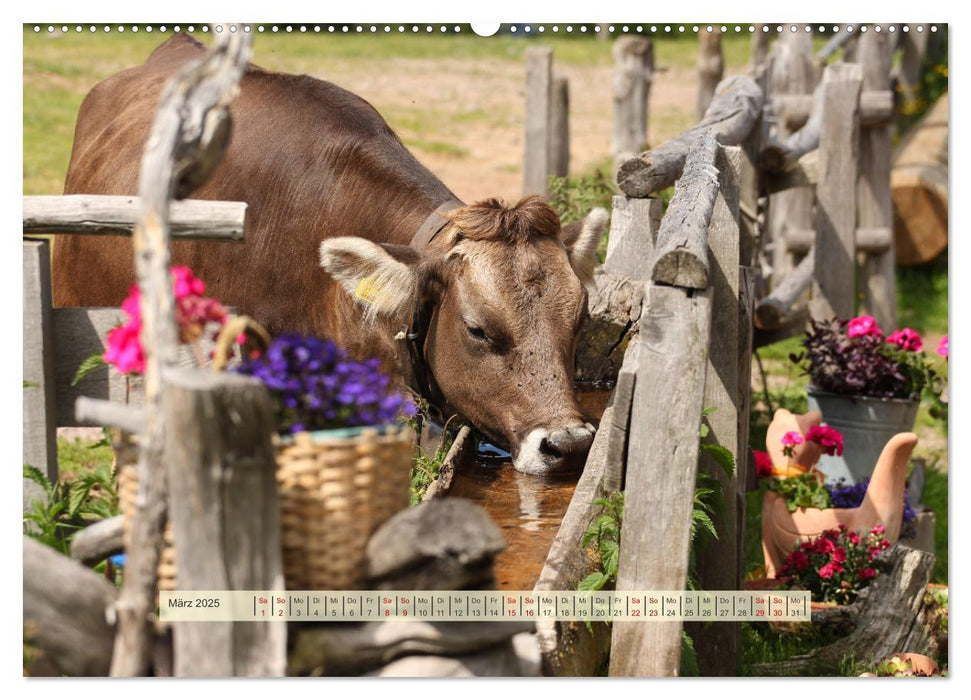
{"x":225,"y":516}
{"x":634,"y":224}
{"x":40,"y":411}
{"x":568,"y":648}
{"x":878,"y":286}
{"x":618,"y":428}
{"x":681,"y":252}
{"x":79,"y":333}
{"x":876,"y":107}
{"x":539,"y":92}
{"x":733,"y":112}
{"x":711,"y":68}
{"x":792,"y":73}
{"x":192,"y":126}
{"x":633,"y":75}
{"x":98,"y":541}
{"x":661,"y":471}
{"x":804,"y":173}
{"x":560,"y":127}
{"x":759,"y":53}
{"x":834,"y":288}
{"x":111,"y":215}
{"x":718,"y":647}
{"x":67,"y":615}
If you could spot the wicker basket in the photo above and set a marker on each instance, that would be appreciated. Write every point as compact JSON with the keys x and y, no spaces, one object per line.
{"x":335,"y":488}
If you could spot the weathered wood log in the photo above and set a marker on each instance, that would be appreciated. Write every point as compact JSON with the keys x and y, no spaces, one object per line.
{"x":891,"y":619}
{"x":569,"y":648}
{"x":634,"y":224}
{"x":868,"y":240}
{"x":39,"y":417}
{"x":711,"y":68}
{"x":681,"y":253}
{"x":803,"y":173}
{"x":633,"y":75}
{"x":97,"y":542}
{"x":560,"y":127}
{"x":614,"y":306}
{"x":618,"y":427}
{"x":461,"y":448}
{"x":876,"y":107}
{"x":68,"y":615}
{"x":834,"y":287}
{"x":919,"y":186}
{"x":718,"y":647}
{"x":225,"y":516}
{"x":792,"y":74}
{"x":536,"y":144}
{"x":733,"y":112}
{"x":665,"y":417}
{"x":110,"y":215}
{"x":773,"y":310}
{"x":759,"y":53}
{"x":187,"y":140}
{"x":846,"y":33}
{"x":110,"y":414}
{"x":877,"y":277}
{"x":794,"y":324}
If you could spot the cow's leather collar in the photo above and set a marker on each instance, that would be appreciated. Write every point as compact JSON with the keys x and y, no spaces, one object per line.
{"x":411,"y":347}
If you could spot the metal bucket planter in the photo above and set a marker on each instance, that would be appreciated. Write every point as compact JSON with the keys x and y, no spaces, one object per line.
{"x":866,"y":424}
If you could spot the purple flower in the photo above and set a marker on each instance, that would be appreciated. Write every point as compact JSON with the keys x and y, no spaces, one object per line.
{"x":316,"y":386}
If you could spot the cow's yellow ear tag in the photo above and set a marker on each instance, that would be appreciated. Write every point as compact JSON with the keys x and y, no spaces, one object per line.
{"x":367,"y":290}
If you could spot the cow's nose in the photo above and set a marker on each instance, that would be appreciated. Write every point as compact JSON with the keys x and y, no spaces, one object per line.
{"x":568,"y":441}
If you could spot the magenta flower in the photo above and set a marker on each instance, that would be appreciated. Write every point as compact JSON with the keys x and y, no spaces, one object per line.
{"x":827,"y":570}
{"x":863,"y":325}
{"x":828,"y":438}
{"x":906,"y":339}
{"x":789,"y":442}
{"x":124,"y":350}
{"x":942,"y":347}
{"x":763,"y":464}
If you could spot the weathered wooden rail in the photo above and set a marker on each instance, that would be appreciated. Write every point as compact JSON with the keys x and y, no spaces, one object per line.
{"x":828,"y":179}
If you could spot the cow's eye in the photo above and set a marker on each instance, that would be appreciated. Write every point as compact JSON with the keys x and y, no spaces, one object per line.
{"x":477,"y":333}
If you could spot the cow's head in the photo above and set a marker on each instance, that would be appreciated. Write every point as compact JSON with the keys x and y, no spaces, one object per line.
{"x":506,"y":290}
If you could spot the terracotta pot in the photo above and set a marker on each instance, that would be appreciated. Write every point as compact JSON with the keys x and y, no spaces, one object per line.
{"x":805,"y":455}
{"x":883,"y":504}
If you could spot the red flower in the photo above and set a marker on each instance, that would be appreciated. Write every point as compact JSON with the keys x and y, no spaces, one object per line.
{"x":866,"y":573}
{"x":828,"y":438}
{"x":839,"y":555}
{"x":798,"y":559}
{"x":827,"y":570}
{"x":863,"y":325}
{"x":906,"y":339}
{"x":763,"y":464}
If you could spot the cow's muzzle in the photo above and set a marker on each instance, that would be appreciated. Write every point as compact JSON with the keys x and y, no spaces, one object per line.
{"x":562,"y":450}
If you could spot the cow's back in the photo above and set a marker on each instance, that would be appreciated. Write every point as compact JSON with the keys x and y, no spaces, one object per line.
{"x":311,"y":160}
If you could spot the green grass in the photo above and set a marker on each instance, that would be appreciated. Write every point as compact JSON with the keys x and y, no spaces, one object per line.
{"x":935,"y":498}
{"x":77,"y":457}
{"x":922,"y":297}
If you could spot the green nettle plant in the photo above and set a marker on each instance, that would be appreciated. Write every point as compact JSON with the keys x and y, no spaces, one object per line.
{"x":68,"y":506}
{"x":604,"y":535}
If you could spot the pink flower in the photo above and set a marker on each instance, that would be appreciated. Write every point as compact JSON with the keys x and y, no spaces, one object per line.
{"x":878,"y":530}
{"x":839,"y":555}
{"x":867,"y":573}
{"x":942,"y":347}
{"x":185,"y":283}
{"x":906,"y":339}
{"x":124,"y":350}
{"x":763,"y":464}
{"x":827,"y":570}
{"x":863,"y":325}
{"x":828,"y":438}
{"x":789,"y":442}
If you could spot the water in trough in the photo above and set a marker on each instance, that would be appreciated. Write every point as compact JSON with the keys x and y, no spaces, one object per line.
{"x":527,"y":508}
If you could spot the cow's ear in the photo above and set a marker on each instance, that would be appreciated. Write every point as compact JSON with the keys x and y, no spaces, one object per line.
{"x":581,"y":242}
{"x":382,"y":278}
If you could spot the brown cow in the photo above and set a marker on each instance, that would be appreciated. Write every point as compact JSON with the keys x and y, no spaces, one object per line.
{"x":493,"y":294}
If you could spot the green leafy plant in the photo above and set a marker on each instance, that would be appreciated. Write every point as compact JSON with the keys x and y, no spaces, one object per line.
{"x":802,"y":491}
{"x":603,"y":535}
{"x":428,"y":467}
{"x":68,"y":506}
{"x":88,"y":365}
{"x":573,"y":197}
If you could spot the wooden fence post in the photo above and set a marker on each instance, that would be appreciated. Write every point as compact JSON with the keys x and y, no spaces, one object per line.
{"x":718,"y":646}
{"x":878,"y":285}
{"x":40,"y":411}
{"x":560,"y":127}
{"x":633,"y":74}
{"x":792,"y":73}
{"x":187,"y":140}
{"x":225,"y":516}
{"x":634,"y":223}
{"x":834,"y":286}
{"x":539,"y":92}
{"x":758,"y":53}
{"x":711,"y":67}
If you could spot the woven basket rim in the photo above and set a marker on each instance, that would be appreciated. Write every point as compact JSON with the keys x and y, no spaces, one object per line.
{"x":345,"y":433}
